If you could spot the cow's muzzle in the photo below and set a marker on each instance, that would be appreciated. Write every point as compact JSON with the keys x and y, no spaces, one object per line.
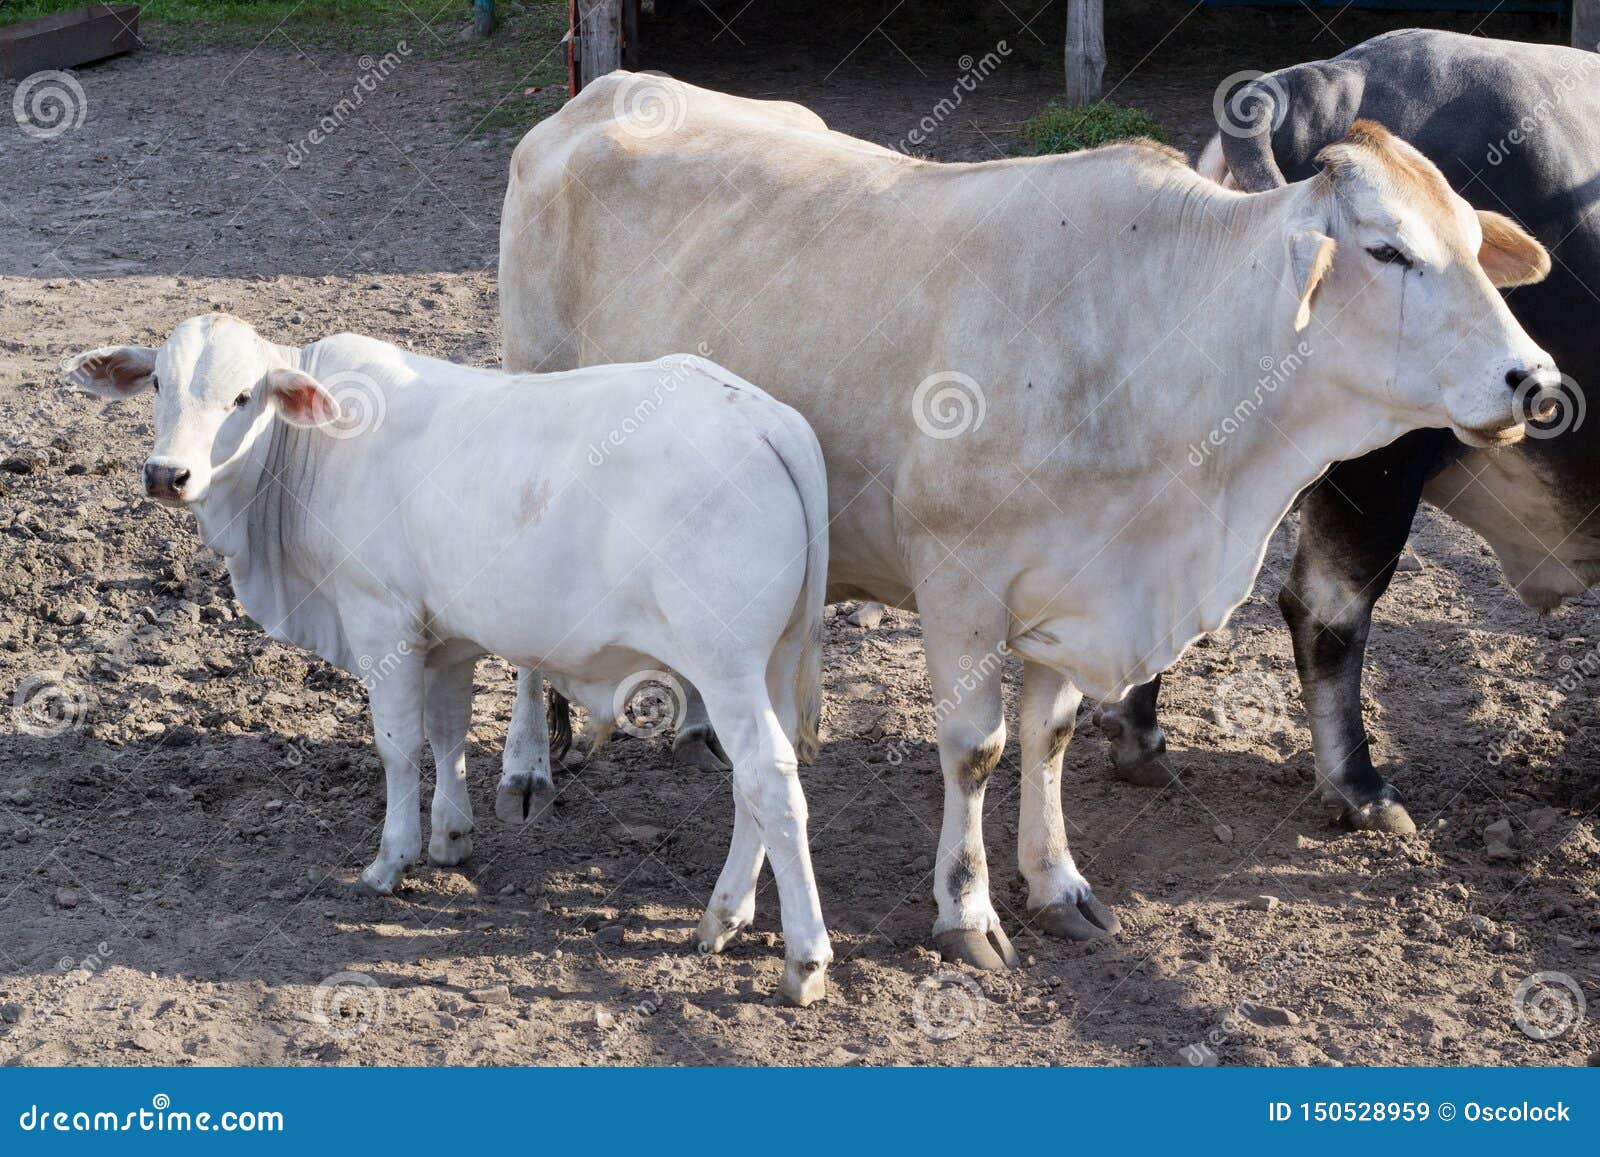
{"x":165,"y":482}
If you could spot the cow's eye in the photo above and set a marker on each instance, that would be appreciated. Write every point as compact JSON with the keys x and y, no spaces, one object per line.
{"x":155,"y":383}
{"x":243,"y":399}
{"x":1389,"y":255}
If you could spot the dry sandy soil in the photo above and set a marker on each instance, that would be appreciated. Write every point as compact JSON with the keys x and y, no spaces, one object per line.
{"x":176,"y":855}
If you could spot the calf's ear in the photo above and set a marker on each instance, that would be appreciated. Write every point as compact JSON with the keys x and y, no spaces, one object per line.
{"x":113,"y":371}
{"x":1508,"y":255}
{"x":300,"y":398}
{"x":1310,"y":257}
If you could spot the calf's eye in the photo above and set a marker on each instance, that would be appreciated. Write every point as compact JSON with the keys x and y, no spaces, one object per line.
{"x":155,"y":383}
{"x":243,"y":399}
{"x":1389,"y":255}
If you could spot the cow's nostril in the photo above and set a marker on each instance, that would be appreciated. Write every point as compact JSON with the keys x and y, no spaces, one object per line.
{"x":179,"y":477}
{"x":1515,"y":378}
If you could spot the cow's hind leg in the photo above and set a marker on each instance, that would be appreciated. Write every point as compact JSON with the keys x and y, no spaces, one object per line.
{"x":448,"y":719}
{"x":1060,"y":900}
{"x":1138,"y":745}
{"x":526,"y":788}
{"x":766,"y":775}
{"x":1353,"y":528}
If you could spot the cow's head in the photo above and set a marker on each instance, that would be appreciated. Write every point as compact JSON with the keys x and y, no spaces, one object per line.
{"x":218,"y":386}
{"x":1403,"y":274}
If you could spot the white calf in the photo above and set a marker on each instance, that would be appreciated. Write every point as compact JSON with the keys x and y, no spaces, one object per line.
{"x":590,"y":524}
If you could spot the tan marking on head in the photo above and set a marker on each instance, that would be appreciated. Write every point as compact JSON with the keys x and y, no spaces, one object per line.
{"x":1410,"y":174}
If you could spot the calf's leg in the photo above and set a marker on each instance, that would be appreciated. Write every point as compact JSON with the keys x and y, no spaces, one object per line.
{"x":526,"y":788}
{"x":448,"y":718}
{"x":766,"y":778}
{"x":1060,"y":900}
{"x":396,"y":702}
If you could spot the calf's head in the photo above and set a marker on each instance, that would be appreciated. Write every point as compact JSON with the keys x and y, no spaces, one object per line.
{"x":1403,"y":276}
{"x":218,"y":386}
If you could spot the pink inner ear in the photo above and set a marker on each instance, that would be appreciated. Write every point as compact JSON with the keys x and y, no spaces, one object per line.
{"x":304,"y":402}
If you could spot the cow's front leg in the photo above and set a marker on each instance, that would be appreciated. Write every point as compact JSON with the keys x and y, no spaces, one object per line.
{"x":1353,"y":528}
{"x":448,"y":718}
{"x":965,"y":670}
{"x":1060,"y":901}
{"x":526,"y":788}
{"x":1138,"y":745}
{"x":396,"y":701}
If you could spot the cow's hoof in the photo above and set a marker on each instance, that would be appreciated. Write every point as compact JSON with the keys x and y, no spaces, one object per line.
{"x":714,"y":933}
{"x":698,"y":748}
{"x":804,"y":981}
{"x":522,"y":799}
{"x":1388,"y":816}
{"x":1088,"y":919}
{"x":447,"y":849}
{"x":970,"y":946}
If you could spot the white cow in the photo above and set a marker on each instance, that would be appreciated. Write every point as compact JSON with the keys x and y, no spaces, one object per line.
{"x":1064,"y":401}
{"x":593,"y":524}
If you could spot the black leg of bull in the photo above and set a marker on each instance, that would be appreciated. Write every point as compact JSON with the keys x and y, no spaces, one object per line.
{"x":1353,"y":527}
{"x":1138,"y":745}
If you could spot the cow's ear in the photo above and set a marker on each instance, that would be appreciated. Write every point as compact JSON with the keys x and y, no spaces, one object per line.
{"x":1508,"y":255}
{"x":1310,"y":258}
{"x":300,"y":398}
{"x":113,"y":371}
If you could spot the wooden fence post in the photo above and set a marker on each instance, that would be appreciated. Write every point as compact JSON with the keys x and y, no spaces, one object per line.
{"x":599,"y":38}
{"x":1086,"y":50}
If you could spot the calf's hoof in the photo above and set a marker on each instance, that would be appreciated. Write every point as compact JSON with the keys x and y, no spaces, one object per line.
{"x":715,"y":933}
{"x":380,"y":879}
{"x":970,"y":946}
{"x":804,"y":981}
{"x":447,"y":848}
{"x":1388,"y":816}
{"x":523,"y":799}
{"x":698,"y":747}
{"x":1085,"y":920}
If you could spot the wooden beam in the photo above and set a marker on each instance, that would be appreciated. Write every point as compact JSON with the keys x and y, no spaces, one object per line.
{"x":67,"y":39}
{"x":599,"y":38}
{"x":1586,"y":24}
{"x":1086,"y":50}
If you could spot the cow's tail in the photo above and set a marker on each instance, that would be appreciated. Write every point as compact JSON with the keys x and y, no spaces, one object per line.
{"x":1248,"y":115}
{"x":796,"y":447}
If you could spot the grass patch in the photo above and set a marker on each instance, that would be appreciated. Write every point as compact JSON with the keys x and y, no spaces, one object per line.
{"x":1059,"y":129}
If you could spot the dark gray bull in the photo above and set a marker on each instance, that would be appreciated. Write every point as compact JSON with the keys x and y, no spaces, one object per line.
{"x":1515,"y":128}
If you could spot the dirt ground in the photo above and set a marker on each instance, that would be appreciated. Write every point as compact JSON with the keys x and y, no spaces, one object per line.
{"x":184,"y":804}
